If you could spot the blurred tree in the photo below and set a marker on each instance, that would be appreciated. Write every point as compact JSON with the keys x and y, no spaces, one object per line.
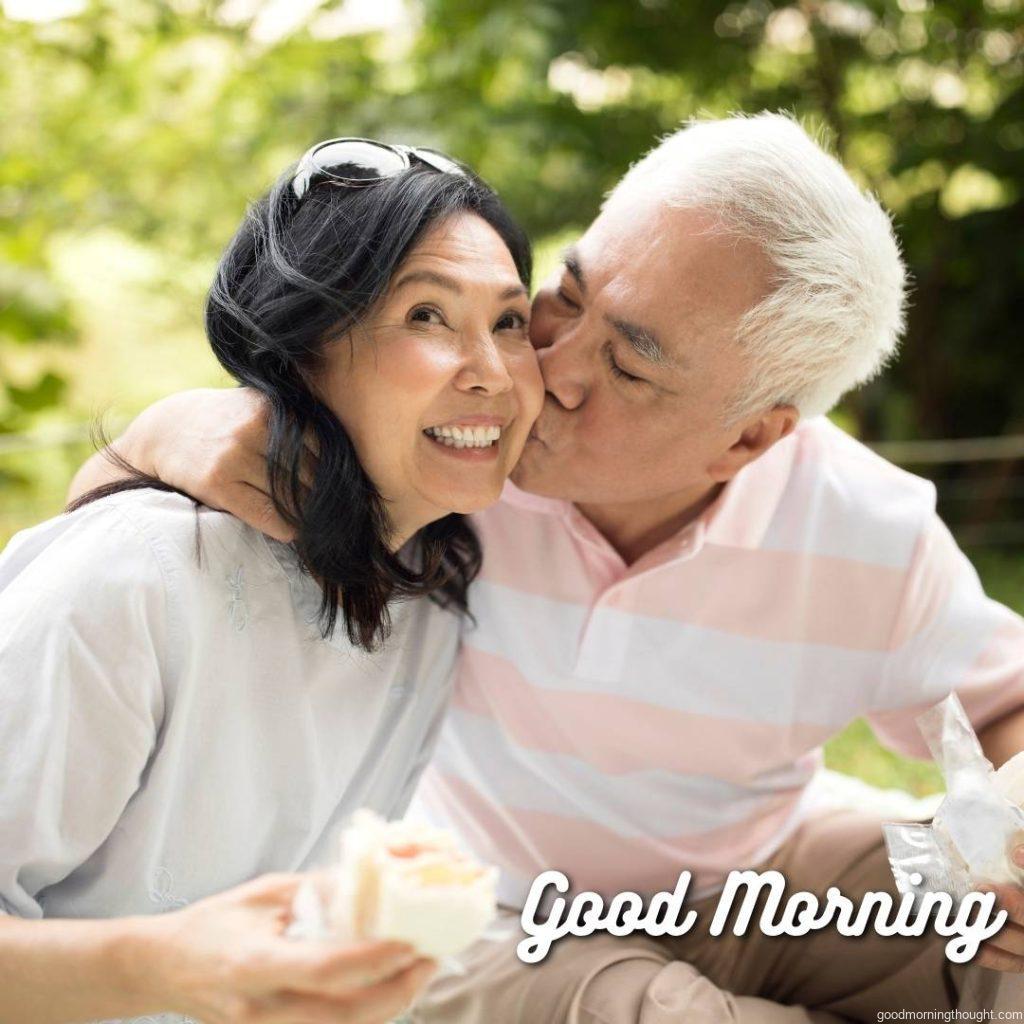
{"x":162,"y":118}
{"x":923,"y":100}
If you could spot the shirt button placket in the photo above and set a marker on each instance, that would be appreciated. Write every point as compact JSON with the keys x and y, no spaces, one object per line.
{"x":604,"y":643}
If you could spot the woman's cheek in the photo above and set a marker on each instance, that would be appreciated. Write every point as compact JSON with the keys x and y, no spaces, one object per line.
{"x":525,"y":371}
{"x":420,"y":366}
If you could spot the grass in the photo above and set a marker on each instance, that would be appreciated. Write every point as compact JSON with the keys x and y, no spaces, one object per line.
{"x":855,"y":751}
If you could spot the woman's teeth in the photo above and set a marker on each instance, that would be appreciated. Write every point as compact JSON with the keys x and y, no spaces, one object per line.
{"x":464,"y":437}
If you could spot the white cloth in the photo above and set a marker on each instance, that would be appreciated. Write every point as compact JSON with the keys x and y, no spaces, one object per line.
{"x":172,"y":722}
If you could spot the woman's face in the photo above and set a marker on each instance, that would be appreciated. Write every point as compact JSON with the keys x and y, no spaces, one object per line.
{"x":439,"y":387}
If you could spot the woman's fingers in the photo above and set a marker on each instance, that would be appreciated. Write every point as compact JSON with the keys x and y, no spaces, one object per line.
{"x":227,"y":958}
{"x":377,"y":1004}
{"x":330,"y":968}
{"x":386,"y":1000}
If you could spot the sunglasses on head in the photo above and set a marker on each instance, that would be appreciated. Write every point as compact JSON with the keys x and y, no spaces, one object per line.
{"x":355,"y":162}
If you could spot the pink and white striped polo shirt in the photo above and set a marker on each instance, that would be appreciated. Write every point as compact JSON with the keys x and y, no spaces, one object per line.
{"x":622,"y":723}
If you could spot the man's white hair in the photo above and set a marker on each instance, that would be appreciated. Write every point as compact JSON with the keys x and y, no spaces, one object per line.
{"x":836,"y":309}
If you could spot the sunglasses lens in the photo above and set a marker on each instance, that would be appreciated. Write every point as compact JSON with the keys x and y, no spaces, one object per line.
{"x":356,"y":160}
{"x":352,"y":161}
{"x":347,"y":160}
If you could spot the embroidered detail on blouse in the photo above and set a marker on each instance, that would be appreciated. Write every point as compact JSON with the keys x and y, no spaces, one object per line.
{"x":161,"y":891}
{"x":237,"y":610}
{"x":306,"y":595}
{"x":163,"y":1018}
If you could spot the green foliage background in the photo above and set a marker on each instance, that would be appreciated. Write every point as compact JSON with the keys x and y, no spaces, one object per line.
{"x":133,"y":132}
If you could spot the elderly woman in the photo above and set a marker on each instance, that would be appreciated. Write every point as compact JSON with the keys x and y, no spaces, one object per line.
{"x":186,"y":705}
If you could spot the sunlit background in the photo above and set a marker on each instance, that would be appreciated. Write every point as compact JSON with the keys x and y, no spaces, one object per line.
{"x":132,"y":134}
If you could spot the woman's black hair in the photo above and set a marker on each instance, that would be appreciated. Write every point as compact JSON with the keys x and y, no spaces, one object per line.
{"x":298,"y":274}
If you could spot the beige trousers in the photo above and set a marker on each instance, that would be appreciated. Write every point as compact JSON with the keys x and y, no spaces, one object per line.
{"x":700,"y":979}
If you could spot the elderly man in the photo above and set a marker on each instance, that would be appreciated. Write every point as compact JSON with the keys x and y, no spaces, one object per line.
{"x":695,"y":581}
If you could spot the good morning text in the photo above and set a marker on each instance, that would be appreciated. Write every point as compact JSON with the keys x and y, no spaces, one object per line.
{"x":966,"y":923}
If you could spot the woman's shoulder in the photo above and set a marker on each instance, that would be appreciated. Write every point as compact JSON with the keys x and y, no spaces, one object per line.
{"x":146,"y":537}
{"x":189,"y":532}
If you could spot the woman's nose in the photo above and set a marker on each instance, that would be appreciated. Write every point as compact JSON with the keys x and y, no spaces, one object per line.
{"x":485,"y":370}
{"x":563,"y":368}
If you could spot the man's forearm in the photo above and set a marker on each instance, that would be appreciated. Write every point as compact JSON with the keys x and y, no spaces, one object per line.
{"x":97,"y":471}
{"x":133,"y":447}
{"x":1003,"y":738}
{"x":209,"y":444}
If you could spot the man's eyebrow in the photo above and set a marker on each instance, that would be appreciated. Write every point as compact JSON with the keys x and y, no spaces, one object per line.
{"x":571,"y":260}
{"x":450,"y":284}
{"x":643,"y":340}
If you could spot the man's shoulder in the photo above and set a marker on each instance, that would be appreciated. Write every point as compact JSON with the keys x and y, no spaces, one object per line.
{"x":822,"y":434}
{"x":847,"y":500}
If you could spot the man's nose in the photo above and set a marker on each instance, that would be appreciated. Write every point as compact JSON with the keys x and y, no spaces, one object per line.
{"x":563,"y":367}
{"x":541,"y":329}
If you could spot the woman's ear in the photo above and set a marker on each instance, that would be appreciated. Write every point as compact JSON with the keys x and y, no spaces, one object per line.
{"x":755,"y":437}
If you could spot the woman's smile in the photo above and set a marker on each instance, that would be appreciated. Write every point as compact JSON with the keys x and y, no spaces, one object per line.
{"x":471,"y":438}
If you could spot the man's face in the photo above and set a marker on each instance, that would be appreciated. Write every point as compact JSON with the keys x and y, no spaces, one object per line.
{"x":635,"y":336}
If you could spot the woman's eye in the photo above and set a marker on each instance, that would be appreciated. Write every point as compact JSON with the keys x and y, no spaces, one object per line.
{"x":511,"y":321}
{"x":426,"y":315}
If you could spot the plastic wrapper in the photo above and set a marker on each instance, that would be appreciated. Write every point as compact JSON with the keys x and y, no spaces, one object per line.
{"x":398,"y":880}
{"x":971,"y":837}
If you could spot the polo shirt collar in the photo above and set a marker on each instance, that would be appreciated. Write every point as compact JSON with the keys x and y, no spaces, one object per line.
{"x":739,"y":517}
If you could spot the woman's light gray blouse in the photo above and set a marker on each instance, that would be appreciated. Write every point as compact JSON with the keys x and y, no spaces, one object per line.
{"x":172,"y":723}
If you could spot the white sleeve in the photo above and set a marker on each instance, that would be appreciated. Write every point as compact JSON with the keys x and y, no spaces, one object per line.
{"x":83,"y":640}
{"x":948,"y":636}
{"x":423,"y":757}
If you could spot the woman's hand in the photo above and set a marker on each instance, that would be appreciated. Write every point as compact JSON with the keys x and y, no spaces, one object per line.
{"x":208,"y":443}
{"x":225,"y":960}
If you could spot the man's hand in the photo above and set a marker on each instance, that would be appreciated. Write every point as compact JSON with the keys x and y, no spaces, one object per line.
{"x":1005,"y":951}
{"x":1001,"y":740}
{"x":210,"y":444}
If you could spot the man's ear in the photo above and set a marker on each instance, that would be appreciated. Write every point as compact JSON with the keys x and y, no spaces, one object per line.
{"x":755,"y":437}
